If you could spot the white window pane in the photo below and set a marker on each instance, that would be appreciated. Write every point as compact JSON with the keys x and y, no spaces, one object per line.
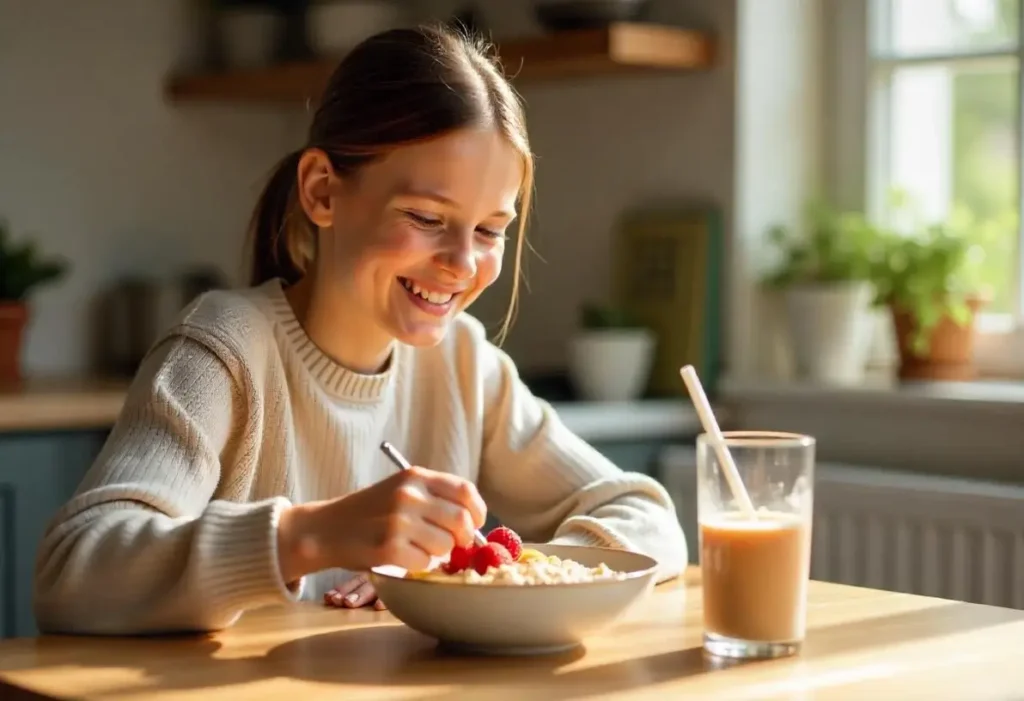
{"x":921,"y":155}
{"x":952,"y":144}
{"x":944,"y":26}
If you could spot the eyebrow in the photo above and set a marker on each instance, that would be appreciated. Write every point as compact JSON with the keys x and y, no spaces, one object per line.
{"x":442,"y":199}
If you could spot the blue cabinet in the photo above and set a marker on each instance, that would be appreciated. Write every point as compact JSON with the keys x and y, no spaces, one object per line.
{"x":38,"y":473}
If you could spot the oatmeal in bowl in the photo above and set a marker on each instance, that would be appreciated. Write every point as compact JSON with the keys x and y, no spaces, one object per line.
{"x":515,"y":598}
{"x":504,"y":561}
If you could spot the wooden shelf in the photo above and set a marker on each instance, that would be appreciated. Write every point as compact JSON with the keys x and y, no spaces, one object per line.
{"x":616,"y":49}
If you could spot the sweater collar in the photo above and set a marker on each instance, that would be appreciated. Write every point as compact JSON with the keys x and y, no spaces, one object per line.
{"x":336,"y":379}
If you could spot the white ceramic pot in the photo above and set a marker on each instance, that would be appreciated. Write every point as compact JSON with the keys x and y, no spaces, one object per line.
{"x":249,"y":36}
{"x":611,"y":365}
{"x":830,"y":328}
{"x":335,"y":27}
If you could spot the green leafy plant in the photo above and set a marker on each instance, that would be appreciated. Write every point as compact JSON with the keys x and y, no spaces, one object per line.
{"x":833,"y":247}
{"x":932,"y":270}
{"x":600,"y":316}
{"x":23,"y":268}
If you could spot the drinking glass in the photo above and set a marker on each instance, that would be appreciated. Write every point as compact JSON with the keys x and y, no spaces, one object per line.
{"x":755,"y":569}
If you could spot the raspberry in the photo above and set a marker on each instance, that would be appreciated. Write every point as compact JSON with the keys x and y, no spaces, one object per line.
{"x":503,"y":535}
{"x":491,"y":555}
{"x":460,"y":558}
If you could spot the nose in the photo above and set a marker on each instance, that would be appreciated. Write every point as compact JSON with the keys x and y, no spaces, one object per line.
{"x":459,"y":257}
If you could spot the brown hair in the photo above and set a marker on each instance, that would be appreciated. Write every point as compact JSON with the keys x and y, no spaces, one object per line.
{"x":396,"y":88}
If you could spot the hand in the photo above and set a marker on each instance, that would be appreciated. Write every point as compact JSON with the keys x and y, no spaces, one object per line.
{"x":354,"y":593}
{"x":403,"y":520}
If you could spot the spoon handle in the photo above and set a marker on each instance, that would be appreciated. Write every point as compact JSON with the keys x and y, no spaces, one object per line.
{"x":394,"y":456}
{"x":403,"y":464}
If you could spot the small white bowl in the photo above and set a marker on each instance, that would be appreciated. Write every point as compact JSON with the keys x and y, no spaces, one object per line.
{"x":509,"y":619}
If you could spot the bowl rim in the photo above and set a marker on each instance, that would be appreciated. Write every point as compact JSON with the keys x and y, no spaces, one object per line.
{"x":627,"y":576}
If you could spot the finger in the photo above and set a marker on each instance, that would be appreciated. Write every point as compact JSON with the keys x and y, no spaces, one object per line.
{"x":360,"y":596}
{"x":351,"y":585}
{"x":431,"y":539}
{"x":446,"y":516}
{"x":334,"y":598}
{"x":400,"y":548}
{"x":379,"y":605}
{"x":415,"y":502}
{"x":458,"y":491}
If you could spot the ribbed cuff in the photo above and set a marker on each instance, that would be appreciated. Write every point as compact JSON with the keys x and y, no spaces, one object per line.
{"x":237,"y":546}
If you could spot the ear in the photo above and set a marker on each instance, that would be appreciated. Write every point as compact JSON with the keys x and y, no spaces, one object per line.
{"x":315,"y":181}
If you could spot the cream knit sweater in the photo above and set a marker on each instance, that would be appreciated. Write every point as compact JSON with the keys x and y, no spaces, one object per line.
{"x":236,"y":414}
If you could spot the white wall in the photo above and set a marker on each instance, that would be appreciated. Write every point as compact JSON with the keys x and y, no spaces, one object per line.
{"x":102,"y":170}
{"x":778,"y":161}
{"x":603,"y":146}
{"x":95,"y":162}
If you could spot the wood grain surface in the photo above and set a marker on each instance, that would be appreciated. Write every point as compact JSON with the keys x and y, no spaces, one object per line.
{"x":862,"y":644}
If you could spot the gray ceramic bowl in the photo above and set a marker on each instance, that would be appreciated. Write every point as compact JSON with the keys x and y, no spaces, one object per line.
{"x":518,"y":620}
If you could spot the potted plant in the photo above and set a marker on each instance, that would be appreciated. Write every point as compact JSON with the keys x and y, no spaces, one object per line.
{"x":824,"y":276}
{"x":22,"y":270}
{"x":930,"y":277}
{"x":610,"y":356}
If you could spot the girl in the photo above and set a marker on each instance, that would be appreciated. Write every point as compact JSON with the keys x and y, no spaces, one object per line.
{"x":245,"y":467}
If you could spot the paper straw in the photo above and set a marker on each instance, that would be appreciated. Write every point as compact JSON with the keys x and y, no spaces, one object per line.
{"x":707,"y":419}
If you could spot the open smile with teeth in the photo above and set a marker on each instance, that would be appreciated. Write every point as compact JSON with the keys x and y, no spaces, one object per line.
{"x":438,"y":298}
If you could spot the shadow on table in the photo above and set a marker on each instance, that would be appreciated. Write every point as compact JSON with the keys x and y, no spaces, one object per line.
{"x":393,"y":655}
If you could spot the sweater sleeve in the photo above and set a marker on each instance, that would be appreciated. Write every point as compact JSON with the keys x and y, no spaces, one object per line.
{"x":547,"y":483}
{"x":143,"y":546}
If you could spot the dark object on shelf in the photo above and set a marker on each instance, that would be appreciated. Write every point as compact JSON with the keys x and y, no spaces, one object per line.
{"x":568,"y":15}
{"x":294,"y":44}
{"x":551,"y":387}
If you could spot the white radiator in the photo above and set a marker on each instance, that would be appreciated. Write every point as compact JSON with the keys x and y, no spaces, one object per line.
{"x":953,"y":538}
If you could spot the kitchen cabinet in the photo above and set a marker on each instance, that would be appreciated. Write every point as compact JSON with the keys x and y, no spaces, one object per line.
{"x":39,"y":471}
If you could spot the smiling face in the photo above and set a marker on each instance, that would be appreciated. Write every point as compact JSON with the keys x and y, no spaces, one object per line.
{"x":416,"y":236}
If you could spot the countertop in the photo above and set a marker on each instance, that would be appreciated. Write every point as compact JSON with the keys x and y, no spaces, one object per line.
{"x":882,"y":390}
{"x":861,"y":644}
{"x":56,"y":404}
{"x":72,"y":404}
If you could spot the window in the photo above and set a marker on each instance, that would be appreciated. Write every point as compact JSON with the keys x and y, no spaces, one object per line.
{"x":945,"y":123}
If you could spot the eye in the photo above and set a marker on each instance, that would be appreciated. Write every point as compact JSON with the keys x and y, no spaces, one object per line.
{"x":491,"y":234}
{"x":423,"y":221}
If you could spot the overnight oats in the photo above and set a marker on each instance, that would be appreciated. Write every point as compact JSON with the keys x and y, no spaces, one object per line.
{"x":504,"y":561}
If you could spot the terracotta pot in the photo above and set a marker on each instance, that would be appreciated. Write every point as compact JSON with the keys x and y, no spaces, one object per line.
{"x":950,"y":354}
{"x":13,"y":320}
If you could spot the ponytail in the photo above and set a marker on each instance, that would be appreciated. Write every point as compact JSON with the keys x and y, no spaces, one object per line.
{"x":280,"y":240}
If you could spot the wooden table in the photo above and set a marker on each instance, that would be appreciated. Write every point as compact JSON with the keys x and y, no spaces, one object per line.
{"x":862,"y":644}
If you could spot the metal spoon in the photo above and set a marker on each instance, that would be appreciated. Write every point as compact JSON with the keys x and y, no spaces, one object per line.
{"x":403,"y":464}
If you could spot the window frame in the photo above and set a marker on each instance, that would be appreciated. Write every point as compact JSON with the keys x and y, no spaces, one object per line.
{"x":856,"y":162}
